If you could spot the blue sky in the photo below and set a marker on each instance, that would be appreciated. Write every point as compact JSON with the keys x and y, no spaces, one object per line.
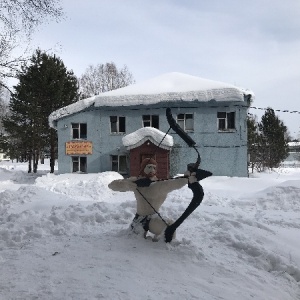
{"x":253,"y":44}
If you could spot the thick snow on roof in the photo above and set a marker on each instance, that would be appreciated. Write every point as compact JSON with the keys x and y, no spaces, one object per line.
{"x":294,"y":144}
{"x":166,"y":87}
{"x":168,"y":83}
{"x":140,"y":136}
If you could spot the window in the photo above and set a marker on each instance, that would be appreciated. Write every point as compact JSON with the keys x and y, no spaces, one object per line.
{"x":79,"y":131}
{"x":226,"y":121}
{"x":117,"y":124}
{"x":186,"y":121}
{"x":119,"y":163}
{"x":79,"y":164}
{"x":151,"y":121}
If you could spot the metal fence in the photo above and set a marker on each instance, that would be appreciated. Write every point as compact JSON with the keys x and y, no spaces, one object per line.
{"x":290,"y":165}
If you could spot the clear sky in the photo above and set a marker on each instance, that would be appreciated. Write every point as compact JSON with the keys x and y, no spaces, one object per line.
{"x":253,"y":44}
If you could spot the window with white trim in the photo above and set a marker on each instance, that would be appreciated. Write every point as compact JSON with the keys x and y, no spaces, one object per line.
{"x":117,"y":124}
{"x":186,"y":121}
{"x":119,"y":163}
{"x":79,"y":164}
{"x":226,"y":121}
{"x":151,"y":121}
{"x":79,"y":131}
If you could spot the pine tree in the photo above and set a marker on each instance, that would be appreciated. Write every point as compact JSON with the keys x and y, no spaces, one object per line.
{"x":253,"y":140}
{"x":44,"y":86}
{"x":274,"y":139}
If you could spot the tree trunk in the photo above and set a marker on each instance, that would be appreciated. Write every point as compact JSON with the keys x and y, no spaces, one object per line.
{"x":53,"y":143}
{"x":29,"y":163}
{"x":42,"y":159}
{"x":35,"y":161}
{"x":52,"y":162}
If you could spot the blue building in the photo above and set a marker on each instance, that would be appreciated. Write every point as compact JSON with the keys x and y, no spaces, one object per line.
{"x":214,"y":114}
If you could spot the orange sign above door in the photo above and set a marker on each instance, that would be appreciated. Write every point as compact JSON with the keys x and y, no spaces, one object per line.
{"x":80,"y":147}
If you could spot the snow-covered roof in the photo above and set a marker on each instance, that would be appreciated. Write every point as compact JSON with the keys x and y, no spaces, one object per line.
{"x":140,"y":136}
{"x":294,"y":144}
{"x":166,"y":87}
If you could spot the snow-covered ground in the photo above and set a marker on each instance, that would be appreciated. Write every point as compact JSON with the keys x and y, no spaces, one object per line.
{"x":65,"y":237}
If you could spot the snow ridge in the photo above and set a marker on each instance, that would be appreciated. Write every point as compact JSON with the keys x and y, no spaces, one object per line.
{"x":66,"y":237}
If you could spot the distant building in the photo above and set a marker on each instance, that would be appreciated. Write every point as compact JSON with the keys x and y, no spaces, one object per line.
{"x":94,"y":134}
{"x":294,"y":152}
{"x":3,"y":157}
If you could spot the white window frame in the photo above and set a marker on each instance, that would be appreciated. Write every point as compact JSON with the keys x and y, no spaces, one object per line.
{"x":225,"y":121}
{"x":82,"y":168}
{"x":118,"y":125}
{"x":182,"y":120}
{"x":117,"y":164}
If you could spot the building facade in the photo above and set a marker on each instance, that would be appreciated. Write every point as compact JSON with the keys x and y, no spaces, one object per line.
{"x":91,"y":132}
{"x":294,"y":151}
{"x":4,"y":157}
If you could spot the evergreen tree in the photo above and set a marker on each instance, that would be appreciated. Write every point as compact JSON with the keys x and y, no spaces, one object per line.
{"x":256,"y":145}
{"x":44,"y":86}
{"x":253,"y":141}
{"x":267,"y":141}
{"x":274,"y":139}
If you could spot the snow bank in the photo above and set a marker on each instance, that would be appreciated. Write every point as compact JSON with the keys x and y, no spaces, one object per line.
{"x":66,"y":237}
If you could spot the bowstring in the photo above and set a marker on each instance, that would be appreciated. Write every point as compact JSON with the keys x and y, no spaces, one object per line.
{"x":156,"y":180}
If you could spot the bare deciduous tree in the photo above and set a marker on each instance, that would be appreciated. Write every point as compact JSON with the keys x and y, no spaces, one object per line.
{"x":103,"y":78}
{"x":18,"y":20}
{"x":4,"y":98}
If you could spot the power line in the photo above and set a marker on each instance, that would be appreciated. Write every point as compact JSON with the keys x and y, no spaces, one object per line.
{"x":278,"y":110}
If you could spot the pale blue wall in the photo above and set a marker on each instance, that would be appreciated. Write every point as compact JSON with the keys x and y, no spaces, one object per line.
{"x":222,"y":153}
